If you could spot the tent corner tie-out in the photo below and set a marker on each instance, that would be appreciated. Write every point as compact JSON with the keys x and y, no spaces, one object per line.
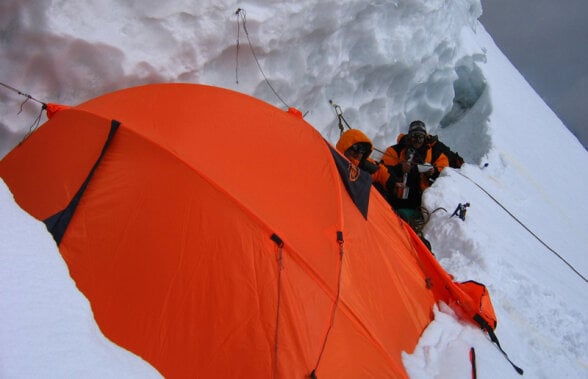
{"x":335,"y":304}
{"x":488,"y":329}
{"x":280,"y":245}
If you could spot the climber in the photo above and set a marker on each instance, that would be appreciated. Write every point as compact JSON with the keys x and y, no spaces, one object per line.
{"x":357,"y":147}
{"x":416,"y":160}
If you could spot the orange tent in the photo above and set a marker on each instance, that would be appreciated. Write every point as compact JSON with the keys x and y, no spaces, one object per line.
{"x":218,"y":236}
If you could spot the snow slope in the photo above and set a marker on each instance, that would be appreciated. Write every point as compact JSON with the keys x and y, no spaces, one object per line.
{"x":47,"y":329}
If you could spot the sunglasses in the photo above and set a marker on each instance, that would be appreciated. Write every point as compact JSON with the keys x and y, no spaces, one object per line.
{"x":361,"y":148}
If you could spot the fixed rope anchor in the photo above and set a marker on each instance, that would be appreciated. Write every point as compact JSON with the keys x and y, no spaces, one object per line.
{"x":340,"y":117}
{"x":461,"y":210}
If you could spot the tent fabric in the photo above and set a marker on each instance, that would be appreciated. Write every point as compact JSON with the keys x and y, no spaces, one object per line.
{"x":357,"y":185}
{"x":470,"y":300}
{"x":58,"y":223}
{"x":216,"y":238}
{"x":52,"y":108}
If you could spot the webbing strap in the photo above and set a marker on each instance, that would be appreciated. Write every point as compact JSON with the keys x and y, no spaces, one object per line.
{"x":480,"y":320}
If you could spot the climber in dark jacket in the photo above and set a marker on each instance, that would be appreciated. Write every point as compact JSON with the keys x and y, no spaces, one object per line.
{"x":415,"y":160}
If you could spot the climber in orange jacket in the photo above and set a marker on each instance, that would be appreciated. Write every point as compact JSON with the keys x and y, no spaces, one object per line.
{"x":357,"y":147}
{"x":415,"y":159}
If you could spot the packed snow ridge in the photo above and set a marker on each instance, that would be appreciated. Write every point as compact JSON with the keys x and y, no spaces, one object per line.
{"x":385,"y":63}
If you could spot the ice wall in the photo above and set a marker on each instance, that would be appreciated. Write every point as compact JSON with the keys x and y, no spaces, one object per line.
{"x":384,"y":62}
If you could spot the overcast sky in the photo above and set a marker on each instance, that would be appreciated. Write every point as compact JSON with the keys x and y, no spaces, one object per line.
{"x":547,"y":41}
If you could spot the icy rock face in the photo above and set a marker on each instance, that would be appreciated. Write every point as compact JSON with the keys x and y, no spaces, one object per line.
{"x":384,"y":62}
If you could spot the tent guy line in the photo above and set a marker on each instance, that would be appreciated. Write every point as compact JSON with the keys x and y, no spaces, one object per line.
{"x":241,"y":12}
{"x":280,"y":258}
{"x":28,"y":97}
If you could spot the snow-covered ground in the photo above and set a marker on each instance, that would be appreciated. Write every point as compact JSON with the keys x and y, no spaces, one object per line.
{"x":385,"y":63}
{"x":47,"y":329}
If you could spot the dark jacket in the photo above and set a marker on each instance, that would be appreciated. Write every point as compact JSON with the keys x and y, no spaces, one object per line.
{"x":416,"y":181}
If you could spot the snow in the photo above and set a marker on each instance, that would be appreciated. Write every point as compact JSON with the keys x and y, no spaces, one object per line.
{"x":385,"y":62}
{"x":47,"y":329}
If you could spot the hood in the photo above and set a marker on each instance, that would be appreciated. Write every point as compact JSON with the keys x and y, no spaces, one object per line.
{"x":350,"y":138}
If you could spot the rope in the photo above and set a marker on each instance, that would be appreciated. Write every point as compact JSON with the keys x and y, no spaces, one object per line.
{"x":419,"y":224}
{"x":241,"y":12}
{"x":28,"y":97}
{"x":238,"y":45}
{"x":335,"y":305}
{"x":280,"y":245}
{"x":520,"y":223}
{"x":35,"y":123}
{"x":525,"y":227}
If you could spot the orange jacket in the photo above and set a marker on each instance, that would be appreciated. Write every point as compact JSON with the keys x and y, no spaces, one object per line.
{"x":395,"y":155}
{"x":353,"y":136}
